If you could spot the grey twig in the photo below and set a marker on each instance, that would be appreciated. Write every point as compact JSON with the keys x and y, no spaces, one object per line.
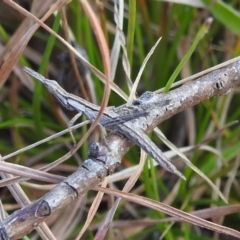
{"x":104,"y":159}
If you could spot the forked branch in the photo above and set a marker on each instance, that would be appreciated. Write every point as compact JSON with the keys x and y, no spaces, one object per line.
{"x":103,"y":160}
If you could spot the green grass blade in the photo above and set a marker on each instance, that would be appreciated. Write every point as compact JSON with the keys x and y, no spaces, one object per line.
{"x":42,"y":68}
{"x":203,"y":30}
{"x":225,"y":14}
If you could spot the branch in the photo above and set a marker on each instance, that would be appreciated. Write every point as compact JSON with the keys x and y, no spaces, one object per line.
{"x":92,"y":172}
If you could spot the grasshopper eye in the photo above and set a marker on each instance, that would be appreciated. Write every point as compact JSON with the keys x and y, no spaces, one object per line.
{"x":51,"y":85}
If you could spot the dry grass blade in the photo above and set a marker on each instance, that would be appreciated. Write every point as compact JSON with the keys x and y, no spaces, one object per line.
{"x":136,"y":82}
{"x":232,"y":176}
{"x":204,"y":214}
{"x":171,"y":211}
{"x":29,"y":173}
{"x":214,"y":212}
{"x":106,"y":62}
{"x":187,"y":161}
{"x":71,"y":55}
{"x":195,"y":3}
{"x":7,"y":66}
{"x":38,"y":9}
{"x":103,"y":228}
{"x":118,"y":18}
{"x":72,"y":216}
{"x":92,"y":211}
{"x":56,"y":135}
